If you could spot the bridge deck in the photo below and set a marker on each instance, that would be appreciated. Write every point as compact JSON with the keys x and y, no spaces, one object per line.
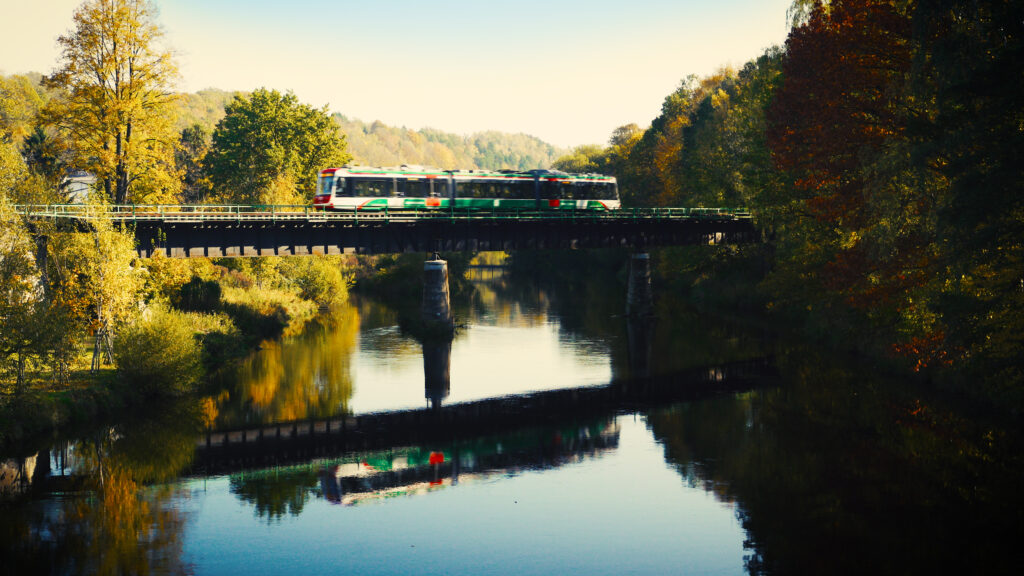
{"x":226,"y":231}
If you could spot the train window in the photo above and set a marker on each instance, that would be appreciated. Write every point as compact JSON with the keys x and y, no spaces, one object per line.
{"x":373,"y":187}
{"x":502,"y":189}
{"x":471,"y":189}
{"x":595,"y":190}
{"x":553,"y":189}
{"x":323,"y":185}
{"x":520,"y":189}
{"x":339,"y":187}
{"x":414,"y":187}
{"x":440,"y":187}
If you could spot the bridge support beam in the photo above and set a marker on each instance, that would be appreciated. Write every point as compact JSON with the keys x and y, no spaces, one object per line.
{"x":437,"y":311}
{"x":639,"y":301}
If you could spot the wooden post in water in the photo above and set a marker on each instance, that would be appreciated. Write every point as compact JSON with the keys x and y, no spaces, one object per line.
{"x":639,"y":301}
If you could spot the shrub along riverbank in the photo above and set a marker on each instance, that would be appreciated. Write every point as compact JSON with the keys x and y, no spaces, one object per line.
{"x":192,"y":318}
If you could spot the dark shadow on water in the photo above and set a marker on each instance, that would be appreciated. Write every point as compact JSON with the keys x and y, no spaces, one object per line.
{"x":841,"y":471}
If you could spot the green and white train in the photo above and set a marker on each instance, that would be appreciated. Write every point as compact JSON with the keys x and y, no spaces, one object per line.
{"x":415,"y":188}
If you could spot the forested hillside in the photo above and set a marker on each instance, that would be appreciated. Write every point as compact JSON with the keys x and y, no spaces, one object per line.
{"x":377,"y":144}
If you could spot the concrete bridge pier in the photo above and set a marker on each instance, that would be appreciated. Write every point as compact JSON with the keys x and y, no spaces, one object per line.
{"x":437,"y":311}
{"x":639,"y":301}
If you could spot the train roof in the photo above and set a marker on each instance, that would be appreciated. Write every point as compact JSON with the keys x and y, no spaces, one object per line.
{"x":415,"y":170}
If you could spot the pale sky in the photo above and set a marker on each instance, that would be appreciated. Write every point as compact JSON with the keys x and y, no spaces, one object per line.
{"x":566,"y":71}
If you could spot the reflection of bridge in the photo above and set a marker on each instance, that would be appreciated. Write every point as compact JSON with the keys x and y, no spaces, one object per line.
{"x":219,"y":231}
{"x":289,"y":442}
{"x":410,"y":470}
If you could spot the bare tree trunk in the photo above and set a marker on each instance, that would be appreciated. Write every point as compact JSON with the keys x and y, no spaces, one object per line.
{"x":120,"y":183}
{"x":41,"y":265}
{"x":19,"y":385}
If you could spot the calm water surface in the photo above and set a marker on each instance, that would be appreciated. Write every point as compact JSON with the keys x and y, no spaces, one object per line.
{"x":551,"y":436}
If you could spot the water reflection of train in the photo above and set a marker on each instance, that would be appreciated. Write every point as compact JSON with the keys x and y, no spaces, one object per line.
{"x":418,"y":188}
{"x":418,"y":470}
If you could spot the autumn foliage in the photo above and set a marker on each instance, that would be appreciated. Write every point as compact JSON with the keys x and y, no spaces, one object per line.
{"x":839,"y":102}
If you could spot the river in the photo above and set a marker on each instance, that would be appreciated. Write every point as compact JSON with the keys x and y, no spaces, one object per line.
{"x":552,"y":436}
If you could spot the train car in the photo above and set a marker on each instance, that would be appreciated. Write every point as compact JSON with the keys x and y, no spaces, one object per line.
{"x":416,"y":188}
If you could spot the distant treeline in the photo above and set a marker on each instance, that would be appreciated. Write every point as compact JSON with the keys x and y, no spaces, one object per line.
{"x":377,"y":144}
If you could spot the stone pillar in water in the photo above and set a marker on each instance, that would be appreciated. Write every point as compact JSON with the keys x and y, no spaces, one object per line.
{"x":436,"y":304}
{"x":639,"y":301}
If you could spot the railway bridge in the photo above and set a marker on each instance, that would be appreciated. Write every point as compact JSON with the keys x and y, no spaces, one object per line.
{"x":214,"y":231}
{"x":206,"y":231}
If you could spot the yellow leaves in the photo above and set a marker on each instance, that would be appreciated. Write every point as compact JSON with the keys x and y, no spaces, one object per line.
{"x":118,"y":94}
{"x":209,"y":407}
{"x":848,"y":238}
{"x":720,"y":100}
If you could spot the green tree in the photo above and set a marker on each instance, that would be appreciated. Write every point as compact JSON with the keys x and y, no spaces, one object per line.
{"x":116,"y":99}
{"x":20,"y":101}
{"x":98,"y":278}
{"x":18,"y":185}
{"x":47,"y":155}
{"x":589,"y":158}
{"x":25,"y":332}
{"x":969,"y":64}
{"x":194,"y":144}
{"x":268,"y":148}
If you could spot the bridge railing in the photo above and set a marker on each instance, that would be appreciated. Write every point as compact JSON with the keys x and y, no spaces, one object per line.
{"x":275,"y":212}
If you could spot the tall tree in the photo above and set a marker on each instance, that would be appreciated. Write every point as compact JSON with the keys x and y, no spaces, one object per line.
{"x":838,"y":125}
{"x":195,"y":142}
{"x":98,"y":277}
{"x":970,"y":64}
{"x":268,"y":148}
{"x":117,"y":97}
{"x":25,"y":333}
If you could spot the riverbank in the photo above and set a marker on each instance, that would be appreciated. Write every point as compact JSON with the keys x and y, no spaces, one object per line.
{"x":201,"y":316}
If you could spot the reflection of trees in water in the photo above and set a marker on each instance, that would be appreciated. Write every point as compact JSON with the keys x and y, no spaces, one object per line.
{"x":274,"y":495}
{"x":494,"y":302}
{"x":118,"y":526}
{"x":586,"y":290}
{"x":683,"y":339}
{"x":308,"y":377}
{"x":842,"y":472}
{"x":121,"y":528}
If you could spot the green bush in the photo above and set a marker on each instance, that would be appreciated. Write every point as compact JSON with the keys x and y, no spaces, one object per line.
{"x":198,"y":295}
{"x":318,"y":278}
{"x":266,"y":313}
{"x":159,"y":354}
